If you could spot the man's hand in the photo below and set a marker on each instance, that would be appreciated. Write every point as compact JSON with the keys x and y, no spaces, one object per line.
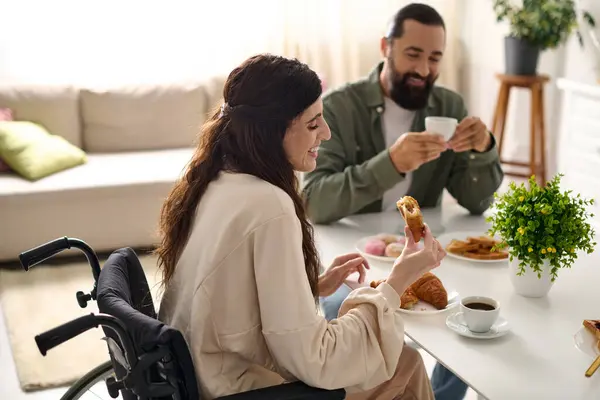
{"x":471,"y":134}
{"x":341,"y":268}
{"x":414,"y":149}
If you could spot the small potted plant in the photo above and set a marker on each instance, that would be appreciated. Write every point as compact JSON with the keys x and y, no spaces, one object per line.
{"x":543,"y":228}
{"x":535,"y":26}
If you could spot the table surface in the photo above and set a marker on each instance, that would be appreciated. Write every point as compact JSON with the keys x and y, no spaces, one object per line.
{"x":537,"y":359}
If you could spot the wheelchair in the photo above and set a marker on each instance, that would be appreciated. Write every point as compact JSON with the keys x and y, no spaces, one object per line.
{"x":147,"y":359}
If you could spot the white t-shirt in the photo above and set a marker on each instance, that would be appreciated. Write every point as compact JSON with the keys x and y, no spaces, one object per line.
{"x":396,"y":122}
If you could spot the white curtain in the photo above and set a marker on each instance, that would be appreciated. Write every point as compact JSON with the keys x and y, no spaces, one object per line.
{"x":111,"y":42}
{"x":340,"y":38}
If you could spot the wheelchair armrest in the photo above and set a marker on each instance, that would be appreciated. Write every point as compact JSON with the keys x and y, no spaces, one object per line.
{"x":288,"y":391}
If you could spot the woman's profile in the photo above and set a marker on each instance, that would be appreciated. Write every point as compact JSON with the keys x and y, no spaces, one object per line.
{"x":240,"y":267}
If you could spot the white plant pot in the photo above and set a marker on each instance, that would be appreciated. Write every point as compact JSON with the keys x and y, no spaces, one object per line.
{"x":529,"y":284}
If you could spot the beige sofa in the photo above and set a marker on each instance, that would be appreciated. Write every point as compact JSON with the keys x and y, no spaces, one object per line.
{"x":138,"y":141}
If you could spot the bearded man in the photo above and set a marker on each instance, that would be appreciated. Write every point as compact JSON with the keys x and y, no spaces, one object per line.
{"x":380,"y":151}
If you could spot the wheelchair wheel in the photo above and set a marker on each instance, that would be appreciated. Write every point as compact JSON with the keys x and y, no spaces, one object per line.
{"x":96,"y":375}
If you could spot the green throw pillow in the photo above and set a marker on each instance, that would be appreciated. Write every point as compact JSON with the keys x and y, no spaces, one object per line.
{"x":34,"y":153}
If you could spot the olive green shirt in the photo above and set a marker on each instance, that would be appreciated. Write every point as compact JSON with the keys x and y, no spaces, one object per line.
{"x":354,"y":168}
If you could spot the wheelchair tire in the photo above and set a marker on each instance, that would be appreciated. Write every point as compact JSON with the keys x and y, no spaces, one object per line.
{"x":83,"y":384}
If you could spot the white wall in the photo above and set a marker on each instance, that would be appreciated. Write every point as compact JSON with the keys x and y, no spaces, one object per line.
{"x":83,"y":42}
{"x":583,"y":64}
{"x":483,"y":57}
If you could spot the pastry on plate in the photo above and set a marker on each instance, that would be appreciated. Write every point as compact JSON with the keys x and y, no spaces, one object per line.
{"x":408,"y":299}
{"x":482,"y":254}
{"x":460,"y":247}
{"x":477,"y":248}
{"x":483,"y":241}
{"x":411,"y":212}
{"x":593,"y":326}
{"x":387,"y":238}
{"x":375,"y":247}
{"x":394,"y":249}
{"x":430,"y":289}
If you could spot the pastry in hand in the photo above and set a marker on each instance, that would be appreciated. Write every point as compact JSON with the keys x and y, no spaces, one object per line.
{"x":593,"y":326}
{"x":429,"y":288}
{"x":408,"y":299}
{"x":411,"y":212}
{"x":394,"y":249}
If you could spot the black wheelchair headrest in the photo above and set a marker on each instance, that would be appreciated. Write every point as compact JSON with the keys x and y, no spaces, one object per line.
{"x":123,"y":292}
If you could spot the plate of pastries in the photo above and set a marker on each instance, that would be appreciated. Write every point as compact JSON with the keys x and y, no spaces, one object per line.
{"x":474,"y":247}
{"x":387,"y":247}
{"x":427,"y":295}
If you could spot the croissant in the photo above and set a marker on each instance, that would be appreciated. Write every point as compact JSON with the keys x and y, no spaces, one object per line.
{"x":411,"y":212}
{"x":429,"y":288}
{"x":408,"y":299}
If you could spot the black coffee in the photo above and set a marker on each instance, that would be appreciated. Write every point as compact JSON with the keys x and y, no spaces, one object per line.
{"x":480,"y":306}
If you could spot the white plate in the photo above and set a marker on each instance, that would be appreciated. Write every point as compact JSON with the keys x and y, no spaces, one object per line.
{"x":457,"y":323}
{"x":446,"y":238}
{"x":585,"y":341}
{"x":360,"y":246}
{"x":424,"y":308}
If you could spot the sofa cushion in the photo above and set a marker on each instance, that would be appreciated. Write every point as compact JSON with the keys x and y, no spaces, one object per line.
{"x":105,"y":170}
{"x":34,"y":153}
{"x":54,"y":107}
{"x":147,"y":117}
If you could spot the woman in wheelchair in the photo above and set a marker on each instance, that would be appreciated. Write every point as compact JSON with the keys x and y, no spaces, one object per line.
{"x":239,"y":263}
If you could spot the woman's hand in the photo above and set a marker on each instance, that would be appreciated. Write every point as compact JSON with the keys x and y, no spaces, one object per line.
{"x":342,"y":267}
{"x":415,"y":261}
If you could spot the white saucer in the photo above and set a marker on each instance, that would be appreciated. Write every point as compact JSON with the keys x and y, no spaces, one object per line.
{"x":457,"y":323}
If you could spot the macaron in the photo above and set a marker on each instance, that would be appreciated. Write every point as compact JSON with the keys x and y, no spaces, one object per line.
{"x":375,"y":247}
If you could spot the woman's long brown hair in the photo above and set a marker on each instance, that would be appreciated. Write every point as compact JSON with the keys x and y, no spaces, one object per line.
{"x":262,"y":97}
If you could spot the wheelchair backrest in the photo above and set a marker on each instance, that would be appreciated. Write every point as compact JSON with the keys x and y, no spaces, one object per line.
{"x":123,"y":292}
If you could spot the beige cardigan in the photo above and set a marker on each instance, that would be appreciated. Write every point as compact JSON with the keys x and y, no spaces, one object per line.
{"x":241,"y":298}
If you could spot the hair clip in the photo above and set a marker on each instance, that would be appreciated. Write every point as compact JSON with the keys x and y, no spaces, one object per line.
{"x":223,"y":107}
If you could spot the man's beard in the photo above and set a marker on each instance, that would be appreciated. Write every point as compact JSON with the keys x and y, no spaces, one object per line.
{"x":407,"y":96}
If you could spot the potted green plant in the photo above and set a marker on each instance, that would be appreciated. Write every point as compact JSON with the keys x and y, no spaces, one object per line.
{"x":535,"y":26}
{"x":543,"y":228}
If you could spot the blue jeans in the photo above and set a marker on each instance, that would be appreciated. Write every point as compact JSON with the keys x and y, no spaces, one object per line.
{"x":446,"y":385}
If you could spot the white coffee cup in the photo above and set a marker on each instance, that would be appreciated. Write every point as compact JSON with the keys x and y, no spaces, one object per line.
{"x":480,"y":313}
{"x":441,"y":126}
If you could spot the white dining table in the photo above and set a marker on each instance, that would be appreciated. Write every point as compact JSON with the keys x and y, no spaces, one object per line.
{"x":538,"y":358}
